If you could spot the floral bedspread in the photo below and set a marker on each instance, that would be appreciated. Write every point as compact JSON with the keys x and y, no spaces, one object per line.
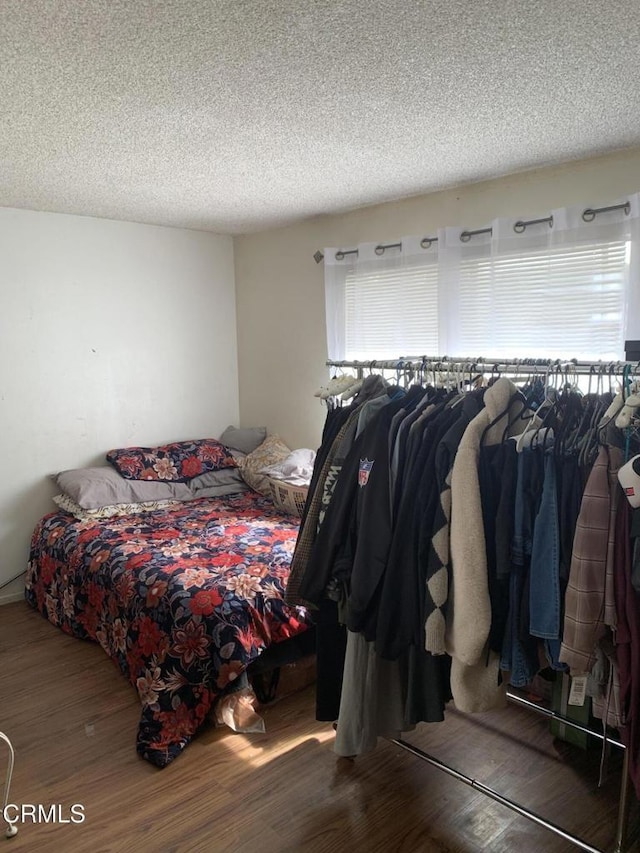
{"x":182,"y":599}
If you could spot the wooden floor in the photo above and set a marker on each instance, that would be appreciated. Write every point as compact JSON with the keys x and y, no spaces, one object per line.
{"x":72,"y":718}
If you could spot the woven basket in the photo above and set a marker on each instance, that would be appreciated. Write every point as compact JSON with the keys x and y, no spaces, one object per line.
{"x":288,"y":498}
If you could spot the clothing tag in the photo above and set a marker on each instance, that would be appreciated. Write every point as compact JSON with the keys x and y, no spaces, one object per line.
{"x":578,"y":692}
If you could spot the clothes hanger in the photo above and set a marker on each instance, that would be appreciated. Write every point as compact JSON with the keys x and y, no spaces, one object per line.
{"x":524,"y":439}
{"x":517,"y":396}
{"x":592,"y":405}
{"x":545,"y":417}
{"x":352,"y":390}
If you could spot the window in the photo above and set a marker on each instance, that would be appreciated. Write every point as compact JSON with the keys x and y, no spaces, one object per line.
{"x":552,"y":292}
{"x":560,"y":302}
{"x":391,"y":312}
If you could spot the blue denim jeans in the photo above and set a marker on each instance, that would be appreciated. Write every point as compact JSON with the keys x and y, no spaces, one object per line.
{"x":519,"y":655}
{"x":544,"y":594}
{"x":519,"y":651}
{"x":545,"y":609}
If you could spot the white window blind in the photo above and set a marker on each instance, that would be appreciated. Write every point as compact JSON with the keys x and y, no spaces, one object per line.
{"x":566,"y":285}
{"x":391,"y":312}
{"x":561,"y":302}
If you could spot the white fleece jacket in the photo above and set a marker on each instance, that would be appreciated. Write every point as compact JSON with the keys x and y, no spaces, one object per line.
{"x":474,"y":683}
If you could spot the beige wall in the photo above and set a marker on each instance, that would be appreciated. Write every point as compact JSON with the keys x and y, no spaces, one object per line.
{"x":279,"y":287}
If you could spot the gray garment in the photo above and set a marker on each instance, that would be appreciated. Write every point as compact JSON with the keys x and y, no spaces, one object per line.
{"x":394,"y":451}
{"x":371,"y":408}
{"x":408,"y":422}
{"x":371,"y":704}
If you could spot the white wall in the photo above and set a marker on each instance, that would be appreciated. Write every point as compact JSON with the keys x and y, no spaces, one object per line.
{"x":111,"y":334}
{"x":280,"y":296}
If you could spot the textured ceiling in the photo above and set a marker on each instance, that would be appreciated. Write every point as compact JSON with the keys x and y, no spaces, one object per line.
{"x":235,"y":116}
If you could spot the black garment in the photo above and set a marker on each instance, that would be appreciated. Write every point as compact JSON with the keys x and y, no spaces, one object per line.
{"x":470,"y":406}
{"x":407,"y":441}
{"x":400,"y":623}
{"x":428,"y":685}
{"x":332,"y":425}
{"x":570,"y":482}
{"x":497,"y":476}
{"x":372,"y":524}
{"x":330,"y":655}
{"x":531,"y":469}
{"x":373,"y":386}
{"x":333,"y":553}
{"x":635,"y":542}
{"x":435,"y":557}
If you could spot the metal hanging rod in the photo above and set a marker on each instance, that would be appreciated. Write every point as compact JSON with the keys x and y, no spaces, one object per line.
{"x":623,"y":799}
{"x":623,"y":802}
{"x":495,"y":795}
{"x":483,"y":364}
{"x":588,"y":215}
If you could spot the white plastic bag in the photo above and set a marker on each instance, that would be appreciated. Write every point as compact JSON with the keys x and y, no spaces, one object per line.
{"x":237,"y":710}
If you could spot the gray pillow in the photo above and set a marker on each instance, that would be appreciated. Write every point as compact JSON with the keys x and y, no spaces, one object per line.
{"x":223,"y":478}
{"x":246,"y":440}
{"x":219,"y":491}
{"x":92,"y":488}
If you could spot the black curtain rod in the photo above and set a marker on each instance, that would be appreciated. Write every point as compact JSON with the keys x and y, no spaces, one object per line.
{"x":588,"y":215}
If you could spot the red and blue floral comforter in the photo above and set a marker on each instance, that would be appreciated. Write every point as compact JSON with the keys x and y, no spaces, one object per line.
{"x":182,"y":599}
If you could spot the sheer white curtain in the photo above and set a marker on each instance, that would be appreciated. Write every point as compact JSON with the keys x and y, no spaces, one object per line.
{"x":381,"y":303}
{"x":567,"y":286}
{"x":555,"y":288}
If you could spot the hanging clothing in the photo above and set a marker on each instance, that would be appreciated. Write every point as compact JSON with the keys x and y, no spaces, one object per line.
{"x":338,"y":425}
{"x":476,"y":682}
{"x":628,"y":636}
{"x":438,"y":570}
{"x":584,"y":623}
{"x":436,"y":549}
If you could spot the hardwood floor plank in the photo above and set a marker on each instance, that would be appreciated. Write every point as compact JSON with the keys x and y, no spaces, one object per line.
{"x":73,"y":718}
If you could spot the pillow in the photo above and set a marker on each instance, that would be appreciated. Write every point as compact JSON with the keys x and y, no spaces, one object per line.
{"x":176,"y":462}
{"x":116,"y":510}
{"x":221,"y":490}
{"x":245,"y":440}
{"x":213,"y":484}
{"x":270,"y":452}
{"x":296,"y":468}
{"x":92,"y":488}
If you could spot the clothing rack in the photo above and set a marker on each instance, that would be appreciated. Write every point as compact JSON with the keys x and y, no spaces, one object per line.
{"x":419,"y":366}
{"x":482,"y":364}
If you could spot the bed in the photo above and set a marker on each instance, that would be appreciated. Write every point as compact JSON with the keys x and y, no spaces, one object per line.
{"x":183,"y":599}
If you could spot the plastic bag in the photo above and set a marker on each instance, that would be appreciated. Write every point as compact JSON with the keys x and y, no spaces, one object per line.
{"x":238,"y":712}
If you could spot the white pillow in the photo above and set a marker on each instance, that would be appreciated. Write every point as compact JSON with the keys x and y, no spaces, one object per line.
{"x":296,"y":468}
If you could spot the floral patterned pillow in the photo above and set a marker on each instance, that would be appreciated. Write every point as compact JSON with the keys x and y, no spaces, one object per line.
{"x":177,"y":462}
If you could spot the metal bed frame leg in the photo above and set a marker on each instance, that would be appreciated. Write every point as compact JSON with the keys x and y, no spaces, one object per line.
{"x":623,"y":807}
{"x":11,"y":829}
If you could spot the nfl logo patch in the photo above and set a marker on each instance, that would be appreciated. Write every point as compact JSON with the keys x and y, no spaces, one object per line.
{"x":364,"y":471}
